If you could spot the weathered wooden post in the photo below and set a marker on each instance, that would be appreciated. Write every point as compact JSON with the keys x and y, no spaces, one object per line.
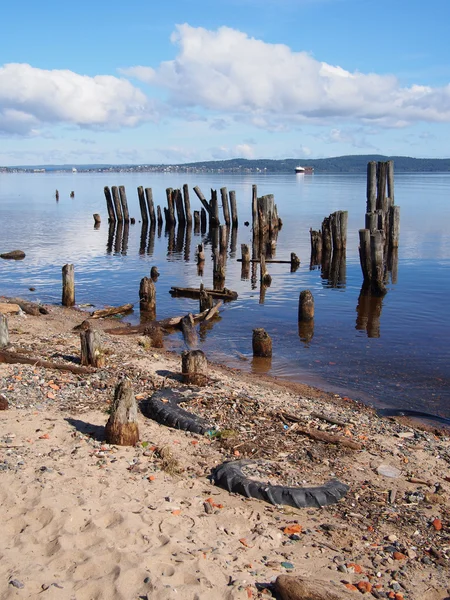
{"x":196,"y":222}
{"x":261,"y":343}
{"x":233,"y":242}
{"x":223,"y":238}
{"x":371,"y":187}
{"x":201,"y":253}
{"x":364,"y":255}
{"x":394,"y":226}
{"x":327,"y":244}
{"x":57,"y":195}
{"x":150,"y":205}
{"x":381,"y":186}
{"x":219,"y":270}
{"x":109,"y":204}
{"x":377,"y":262}
{"x":159,"y":216}
{"x":170,"y":214}
{"x":390,"y":181}
{"x":194,"y":367}
{"x":214,"y":220}
{"x":154,"y":273}
{"x":203,"y":220}
{"x":142,"y":204}
{"x":4,"y":333}
{"x":234,"y":214}
{"x":255,"y":217}
{"x":91,"y":353}
{"x":97,"y":219}
{"x":206,"y":300}
{"x":245,"y":254}
{"x":339,"y":221}
{"x":306,"y":306}
{"x":117,"y":203}
{"x":225,"y":206}
{"x":68,"y":285}
{"x":265,"y":278}
{"x":147,"y":297}
{"x":180,"y":208}
{"x":122,"y":426}
{"x":187,"y":205}
{"x":189,"y":332}
{"x":124,"y":203}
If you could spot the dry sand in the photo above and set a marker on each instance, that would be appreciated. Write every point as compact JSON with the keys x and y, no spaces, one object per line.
{"x":84,"y":520}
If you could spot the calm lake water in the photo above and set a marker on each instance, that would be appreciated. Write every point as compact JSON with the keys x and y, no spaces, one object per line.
{"x":400,"y":359}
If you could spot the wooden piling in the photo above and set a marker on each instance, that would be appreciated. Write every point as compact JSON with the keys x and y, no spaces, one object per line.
{"x":390,"y":181}
{"x":68,"y":285}
{"x":377,"y":263}
{"x":306,"y":306}
{"x":327,"y":243}
{"x":255,"y":217}
{"x":4,"y":333}
{"x":234,"y":214}
{"x":124,"y":203}
{"x":147,"y":296}
{"x":97,"y":219}
{"x":203,"y":220}
{"x":225,"y":206}
{"x":179,"y":205}
{"x":214,"y":220}
{"x":187,"y":205}
{"x":57,"y":195}
{"x":159,"y":216}
{"x":371,"y":186}
{"x":150,"y":205}
{"x":201,"y":253}
{"x":170,"y":213}
{"x":109,"y":204}
{"x":245,"y":254}
{"x":394,"y":226}
{"x":154,"y":274}
{"x":194,"y":367}
{"x":265,"y":278}
{"x":206,"y":300}
{"x":295,"y":262}
{"x":122,"y":427}
{"x":261,"y":343}
{"x":142,"y":204}
{"x":223,"y":238}
{"x":339,"y":221}
{"x":364,"y":254}
{"x":196,"y":221}
{"x":219,"y":270}
{"x":117,"y":203}
{"x":381,"y":185}
{"x":91,"y":351}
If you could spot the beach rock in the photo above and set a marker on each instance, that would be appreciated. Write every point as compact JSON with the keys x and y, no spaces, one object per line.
{"x":13,"y":255}
{"x":388,"y":471}
{"x":291,"y":587}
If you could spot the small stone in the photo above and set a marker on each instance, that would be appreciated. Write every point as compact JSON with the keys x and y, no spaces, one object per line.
{"x":392,"y":538}
{"x":364,"y":586}
{"x":388,"y":471}
{"x":16,"y":583}
{"x":437,"y":524}
{"x":287,"y":565}
{"x":411,"y":554}
{"x":398,"y":555}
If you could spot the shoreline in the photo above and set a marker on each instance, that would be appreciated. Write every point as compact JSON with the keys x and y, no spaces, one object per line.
{"x":116,"y":522}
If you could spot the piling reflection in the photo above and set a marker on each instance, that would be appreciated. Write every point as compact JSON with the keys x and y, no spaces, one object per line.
{"x":110,"y":242}
{"x":306,"y":331}
{"x":126,"y":233}
{"x":261,"y":365}
{"x":369,"y":312}
{"x":151,"y":240}
{"x":143,"y":238}
{"x":118,"y":237}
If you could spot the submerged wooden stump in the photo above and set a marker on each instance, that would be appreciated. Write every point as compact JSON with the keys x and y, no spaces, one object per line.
{"x":306,"y":306}
{"x":122,"y":426}
{"x":194,"y":367}
{"x":68,"y":290}
{"x":91,"y":352}
{"x":262,"y":343}
{"x":4,"y":334}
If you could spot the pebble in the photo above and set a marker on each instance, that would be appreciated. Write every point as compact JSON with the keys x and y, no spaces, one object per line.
{"x":388,"y":471}
{"x":16,"y":583}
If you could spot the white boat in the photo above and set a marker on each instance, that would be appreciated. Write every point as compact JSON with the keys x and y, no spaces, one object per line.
{"x":299,"y":169}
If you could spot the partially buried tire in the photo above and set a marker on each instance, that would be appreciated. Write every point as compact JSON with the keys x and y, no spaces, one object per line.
{"x":163,"y":408}
{"x":229,"y":475}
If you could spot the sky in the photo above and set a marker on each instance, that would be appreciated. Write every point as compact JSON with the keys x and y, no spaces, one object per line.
{"x":145,"y":82}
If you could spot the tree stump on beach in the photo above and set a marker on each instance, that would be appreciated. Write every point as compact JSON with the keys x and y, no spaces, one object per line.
{"x":194,"y":367}
{"x":261,"y":343}
{"x":68,"y":290}
{"x":189,"y":331}
{"x":306,"y":306}
{"x":91,"y":353}
{"x":122,"y":426}
{"x":4,"y":334}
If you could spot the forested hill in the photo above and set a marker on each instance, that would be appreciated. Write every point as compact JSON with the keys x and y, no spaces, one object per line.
{"x":338,"y":164}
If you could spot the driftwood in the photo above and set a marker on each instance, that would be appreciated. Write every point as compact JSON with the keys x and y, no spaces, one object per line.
{"x":224,"y":294}
{"x":29,"y":308}
{"x":111,"y":310}
{"x":13,"y":358}
{"x":322,"y":436}
{"x":167,"y":324}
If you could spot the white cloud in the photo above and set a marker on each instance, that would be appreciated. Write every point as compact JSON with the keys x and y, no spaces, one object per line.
{"x":31,"y":97}
{"x":227,"y":71}
{"x":238,"y":151}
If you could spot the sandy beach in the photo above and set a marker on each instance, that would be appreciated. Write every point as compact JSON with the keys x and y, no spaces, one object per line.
{"x":85,"y":520}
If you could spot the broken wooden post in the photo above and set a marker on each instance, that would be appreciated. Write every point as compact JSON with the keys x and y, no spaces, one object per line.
{"x":377,"y":263}
{"x":206,"y":300}
{"x":234,"y":214}
{"x":306,"y":306}
{"x":97,"y":219}
{"x":147,"y":296}
{"x":225,"y":206}
{"x":219,"y":270}
{"x":245,"y":254}
{"x":178,"y":201}
{"x":223,"y":238}
{"x":295,"y":262}
{"x":117,"y":204}
{"x":142,"y":204}
{"x":201,"y":253}
{"x":390,"y":181}
{"x":159,"y":216}
{"x":91,"y":353}
{"x":150,"y":205}
{"x":255,"y":217}
{"x":214,"y":220}
{"x":189,"y":332}
{"x":154,"y":274}
{"x":339,"y":221}
{"x":68,"y":285}
{"x":194,"y":367}
{"x":187,"y":205}
{"x":381,"y":186}
{"x":265,"y":278}
{"x":261,"y":343}
{"x":57,"y":195}
{"x":124,"y":203}
{"x":196,"y":222}
{"x":170,"y":214}
{"x":109,"y":204}
{"x":122,"y":426}
{"x":203,"y":220}
{"x":4,"y":333}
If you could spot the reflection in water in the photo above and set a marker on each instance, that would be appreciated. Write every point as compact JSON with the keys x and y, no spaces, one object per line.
{"x":233,"y":242}
{"x":306,"y":330}
{"x":118,"y":238}
{"x":369,"y":313}
{"x":206,"y":326}
{"x":143,"y":239}
{"x":109,"y":244}
{"x":97,"y":225}
{"x":126,"y":233}
{"x":151,"y":240}
{"x":146,"y":316}
{"x":170,"y":234}
{"x":187,"y":244}
{"x":261,"y":365}
{"x":179,"y":238}
{"x":334,"y":271}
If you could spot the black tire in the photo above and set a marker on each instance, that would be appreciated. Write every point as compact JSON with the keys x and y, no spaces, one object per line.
{"x":229,"y":475}
{"x":163,"y":408}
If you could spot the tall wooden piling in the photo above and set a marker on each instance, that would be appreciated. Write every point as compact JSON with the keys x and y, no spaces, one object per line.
{"x":68,"y":285}
{"x":142,"y":204}
{"x":124,"y":203}
{"x":234,"y":213}
{"x":187,"y":205}
{"x":117,"y":203}
{"x":170,"y":214}
{"x":390,"y":181}
{"x":339,"y":221}
{"x":150,"y":205}
{"x":261,"y":343}
{"x":214,"y":214}
{"x":377,"y":263}
{"x":159,"y":216}
{"x":179,"y":205}
{"x":381,"y":186}
{"x":394,"y":226}
{"x":225,"y":206}
{"x":306,"y":306}
{"x":109,"y":204}
{"x":371,"y":187}
{"x":223,"y":238}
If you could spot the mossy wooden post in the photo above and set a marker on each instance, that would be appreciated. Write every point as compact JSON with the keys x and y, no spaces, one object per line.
{"x":225,"y":205}
{"x":196,"y":222}
{"x":147,"y":296}
{"x":194,"y":367}
{"x":170,"y":214}
{"x":124,"y":203}
{"x":117,"y":204}
{"x":261,"y":343}
{"x":109,"y":204}
{"x":178,"y":201}
{"x":91,"y":354}
{"x":150,"y":205}
{"x":4,"y":333}
{"x":142,"y":204}
{"x":68,"y":285}
{"x":306,"y":306}
{"x":122,"y":426}
{"x":234,"y":214}
{"x":187,"y":205}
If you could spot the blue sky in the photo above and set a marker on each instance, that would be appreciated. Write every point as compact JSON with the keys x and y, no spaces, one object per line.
{"x":146,"y":82}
